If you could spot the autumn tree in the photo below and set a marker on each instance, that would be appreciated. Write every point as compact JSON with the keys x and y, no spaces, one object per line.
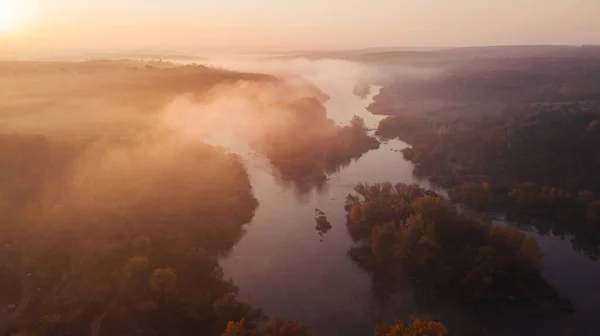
{"x":358,"y":124}
{"x":453,"y":255}
{"x":415,"y":327}
{"x":163,"y":283}
{"x":235,"y":329}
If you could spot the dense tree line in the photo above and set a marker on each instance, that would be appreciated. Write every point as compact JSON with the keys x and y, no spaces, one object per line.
{"x":414,"y":327}
{"x":141,"y":256}
{"x":541,"y":159}
{"x":310,"y":148}
{"x":118,"y":232}
{"x":276,"y":327}
{"x":119,"y":236}
{"x":458,"y":82}
{"x":92,"y":244}
{"x":403,"y":227}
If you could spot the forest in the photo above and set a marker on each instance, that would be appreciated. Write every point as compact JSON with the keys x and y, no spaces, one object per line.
{"x":116,"y":209}
{"x":529,"y":152}
{"x":89,"y":240}
{"x":307,"y":151}
{"x":93,"y":244}
{"x":405,"y":230}
{"x":113,"y":221}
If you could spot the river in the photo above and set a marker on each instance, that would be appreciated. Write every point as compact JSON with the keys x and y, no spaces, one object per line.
{"x":283,"y":266}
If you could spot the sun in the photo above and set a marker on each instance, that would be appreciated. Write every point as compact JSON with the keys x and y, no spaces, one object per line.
{"x":12,"y":15}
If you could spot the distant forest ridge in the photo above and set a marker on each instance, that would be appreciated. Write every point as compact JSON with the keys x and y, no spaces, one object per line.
{"x":360,"y":54}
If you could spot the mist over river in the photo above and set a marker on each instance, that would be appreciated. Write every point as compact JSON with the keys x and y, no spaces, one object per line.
{"x":283,"y":266}
{"x":209,"y":194}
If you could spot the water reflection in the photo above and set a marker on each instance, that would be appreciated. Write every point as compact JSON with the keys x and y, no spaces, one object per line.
{"x":574,"y":275}
{"x":584,"y":236}
{"x":323,"y":226}
{"x":316,"y":180}
{"x":281,"y":265}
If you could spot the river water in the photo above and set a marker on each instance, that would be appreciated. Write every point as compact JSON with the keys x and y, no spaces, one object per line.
{"x":283,"y":266}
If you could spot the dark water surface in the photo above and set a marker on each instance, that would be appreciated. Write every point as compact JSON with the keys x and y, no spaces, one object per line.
{"x":282,"y":266}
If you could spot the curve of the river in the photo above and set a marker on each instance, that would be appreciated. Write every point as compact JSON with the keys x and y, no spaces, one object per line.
{"x":282,"y":266}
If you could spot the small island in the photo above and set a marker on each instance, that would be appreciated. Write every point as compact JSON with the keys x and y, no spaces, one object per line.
{"x":403,"y":229}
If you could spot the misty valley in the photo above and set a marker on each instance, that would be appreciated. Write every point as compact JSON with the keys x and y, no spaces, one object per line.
{"x":398,"y":193}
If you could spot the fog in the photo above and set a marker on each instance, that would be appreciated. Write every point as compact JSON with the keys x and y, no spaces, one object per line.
{"x":129,"y":136}
{"x":335,"y":78}
{"x":113,"y":170}
{"x":232,"y":116}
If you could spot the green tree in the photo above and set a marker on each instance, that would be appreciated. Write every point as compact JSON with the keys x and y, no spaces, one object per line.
{"x":163,"y":283}
{"x":137,"y":265}
{"x":383,"y":240}
{"x":141,"y":244}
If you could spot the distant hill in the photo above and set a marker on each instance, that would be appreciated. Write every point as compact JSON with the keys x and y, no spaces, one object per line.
{"x":432,"y":55}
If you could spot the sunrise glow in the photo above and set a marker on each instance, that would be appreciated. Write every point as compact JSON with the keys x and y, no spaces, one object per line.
{"x":12,"y":15}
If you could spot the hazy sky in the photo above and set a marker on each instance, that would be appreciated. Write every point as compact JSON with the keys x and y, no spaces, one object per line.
{"x":303,"y":24}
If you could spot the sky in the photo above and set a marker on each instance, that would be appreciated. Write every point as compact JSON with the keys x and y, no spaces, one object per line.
{"x":268,"y":25}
